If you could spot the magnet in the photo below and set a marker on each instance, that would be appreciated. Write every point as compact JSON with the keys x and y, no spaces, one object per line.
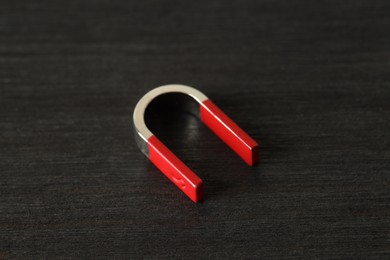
{"x":173,"y":168}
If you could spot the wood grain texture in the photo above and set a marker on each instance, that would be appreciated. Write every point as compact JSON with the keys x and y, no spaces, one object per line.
{"x":310,"y":80}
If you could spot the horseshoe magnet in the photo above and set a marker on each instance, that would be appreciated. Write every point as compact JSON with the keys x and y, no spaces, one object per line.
{"x":173,"y":168}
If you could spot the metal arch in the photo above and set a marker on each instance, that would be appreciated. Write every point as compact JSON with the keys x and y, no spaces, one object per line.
{"x":141,"y":131}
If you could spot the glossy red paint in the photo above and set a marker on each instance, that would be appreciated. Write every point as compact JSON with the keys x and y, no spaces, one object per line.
{"x":182,"y":176}
{"x":229,"y":132}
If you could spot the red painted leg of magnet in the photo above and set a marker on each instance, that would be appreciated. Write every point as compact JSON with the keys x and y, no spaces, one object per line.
{"x":229,"y":132}
{"x":175,"y":169}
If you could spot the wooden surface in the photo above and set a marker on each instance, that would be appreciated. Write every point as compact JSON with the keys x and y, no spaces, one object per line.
{"x":310,"y":80}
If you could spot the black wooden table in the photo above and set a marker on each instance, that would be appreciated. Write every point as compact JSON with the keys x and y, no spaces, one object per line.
{"x":310,"y":80}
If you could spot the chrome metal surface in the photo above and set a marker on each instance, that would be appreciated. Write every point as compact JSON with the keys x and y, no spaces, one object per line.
{"x":141,"y":131}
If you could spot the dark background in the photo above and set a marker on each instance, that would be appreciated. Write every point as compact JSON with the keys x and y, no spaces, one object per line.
{"x":310,"y":80}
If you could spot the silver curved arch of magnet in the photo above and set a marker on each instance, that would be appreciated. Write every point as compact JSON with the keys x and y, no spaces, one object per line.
{"x":183,"y":177}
